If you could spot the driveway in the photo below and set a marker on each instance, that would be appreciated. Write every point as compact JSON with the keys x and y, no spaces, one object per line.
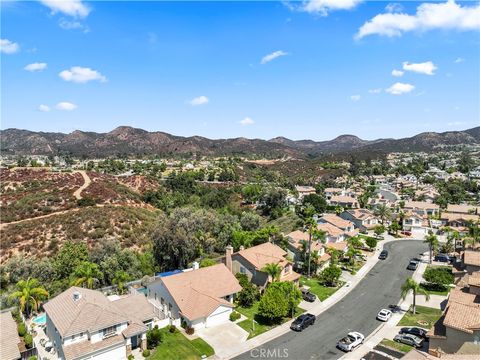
{"x":223,"y":337}
{"x":355,"y":312}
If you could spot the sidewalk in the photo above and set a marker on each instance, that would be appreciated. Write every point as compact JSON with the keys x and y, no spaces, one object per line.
{"x":317,"y":309}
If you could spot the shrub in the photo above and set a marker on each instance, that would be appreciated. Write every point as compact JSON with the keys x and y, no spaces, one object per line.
{"x":234,"y":316}
{"x":22,"y":329}
{"x":371,"y":242}
{"x":86,"y":202}
{"x":154,"y":337}
{"x":28,"y":341}
{"x":146,"y":353}
{"x":189,"y":330}
{"x":172,"y":329}
{"x":242,"y":279}
{"x":131,"y":357}
{"x":439,"y":276}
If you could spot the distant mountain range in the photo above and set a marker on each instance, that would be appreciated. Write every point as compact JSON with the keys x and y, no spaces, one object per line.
{"x":126,"y":141}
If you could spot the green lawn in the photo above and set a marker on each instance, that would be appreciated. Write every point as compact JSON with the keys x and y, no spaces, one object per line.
{"x":177,"y":347}
{"x":424,"y":318}
{"x":435,"y":292}
{"x":260,"y":325}
{"x":322,"y":292}
{"x":404,"y":348}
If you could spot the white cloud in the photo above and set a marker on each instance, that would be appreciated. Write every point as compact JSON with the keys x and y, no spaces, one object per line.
{"x":394,"y":8}
{"x":8,"y":47}
{"x":427,"y":68}
{"x":81,"y":75}
{"x":199,"y":100}
{"x":324,"y":7}
{"x":43,"y":108}
{"x":397,"y":73}
{"x":66,"y":106}
{"x":73,"y":25}
{"x":247,"y":121}
{"x":400,"y":88}
{"x":355,"y":97}
{"x":429,"y":16}
{"x":272,"y":56}
{"x":459,"y":60}
{"x":35,"y":67}
{"x":74,"y":8}
{"x":375,"y":91}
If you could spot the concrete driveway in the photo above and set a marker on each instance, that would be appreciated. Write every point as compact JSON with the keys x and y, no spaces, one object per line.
{"x":223,"y":337}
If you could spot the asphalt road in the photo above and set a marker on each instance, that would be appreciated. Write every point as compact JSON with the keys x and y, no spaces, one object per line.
{"x":355,"y":312}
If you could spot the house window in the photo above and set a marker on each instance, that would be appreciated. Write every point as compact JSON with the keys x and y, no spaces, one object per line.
{"x":107,"y":332}
{"x":242,"y":270}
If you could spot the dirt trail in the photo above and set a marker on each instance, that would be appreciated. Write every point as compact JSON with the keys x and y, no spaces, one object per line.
{"x":86,"y":182}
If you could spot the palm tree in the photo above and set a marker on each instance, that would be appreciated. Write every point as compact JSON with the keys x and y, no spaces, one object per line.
{"x":121,"y":277}
{"x":315,"y":235}
{"x":383,"y":212}
{"x":334,"y":254}
{"x":432,"y":242}
{"x":86,"y":274}
{"x":273,"y":270}
{"x":351,"y":252}
{"x":29,"y":294}
{"x":411,"y":284}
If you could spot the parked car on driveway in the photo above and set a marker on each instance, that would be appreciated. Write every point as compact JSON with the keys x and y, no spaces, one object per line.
{"x":412,"y":265}
{"x":409,"y":339}
{"x":383,"y":255}
{"x":308,"y":296}
{"x":302,"y":322}
{"x":442,"y":258}
{"x":421,"y":333}
{"x":384,"y":315}
{"x":351,"y":341}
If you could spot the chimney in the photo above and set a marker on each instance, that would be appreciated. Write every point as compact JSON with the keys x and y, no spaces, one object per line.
{"x":76,"y":296}
{"x":242,"y":247}
{"x":228,"y":257}
{"x":195,"y":266}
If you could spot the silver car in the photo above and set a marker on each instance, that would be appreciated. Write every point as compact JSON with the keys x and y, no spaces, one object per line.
{"x":409,"y":339}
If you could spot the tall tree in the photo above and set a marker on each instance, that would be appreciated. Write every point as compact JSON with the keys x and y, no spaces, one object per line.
{"x":383,"y":212}
{"x":121,"y":277}
{"x":412,"y":285}
{"x":432,"y":242}
{"x":313,"y":235}
{"x":273,"y":270}
{"x":29,"y":294}
{"x":86,"y":274}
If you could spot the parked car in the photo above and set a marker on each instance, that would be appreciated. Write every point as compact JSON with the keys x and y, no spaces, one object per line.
{"x":442,"y":258}
{"x":412,"y":265}
{"x":409,"y":339}
{"x":351,"y":341}
{"x":308,"y":296}
{"x":383,"y":255}
{"x":384,"y":315}
{"x":421,"y":333}
{"x":302,"y":322}
{"x":407,"y":233}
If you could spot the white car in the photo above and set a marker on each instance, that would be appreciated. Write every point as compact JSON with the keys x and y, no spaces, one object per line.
{"x":351,"y":341}
{"x":384,"y":315}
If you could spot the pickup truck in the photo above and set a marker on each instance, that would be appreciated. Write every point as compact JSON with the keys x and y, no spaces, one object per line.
{"x":351,"y":341}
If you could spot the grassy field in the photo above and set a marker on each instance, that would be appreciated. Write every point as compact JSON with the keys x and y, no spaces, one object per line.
{"x":177,"y":347}
{"x":322,"y":292}
{"x":425,"y":317}
{"x":404,"y":348}
{"x":260,"y":325}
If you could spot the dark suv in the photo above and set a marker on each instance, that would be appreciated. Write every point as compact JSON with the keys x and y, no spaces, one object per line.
{"x":414,"y":331}
{"x":383,"y":255}
{"x":442,"y":258}
{"x":302,"y":322}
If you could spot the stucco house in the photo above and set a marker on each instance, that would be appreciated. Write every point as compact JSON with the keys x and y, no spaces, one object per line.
{"x":253,"y":260}
{"x":304,"y":191}
{"x":295,"y":251}
{"x":471,"y":261}
{"x":85,"y":324}
{"x":199,"y":298}
{"x":414,"y":223}
{"x":422,"y":208}
{"x":363,"y":219}
{"x":345,"y":225}
{"x":344,"y":201}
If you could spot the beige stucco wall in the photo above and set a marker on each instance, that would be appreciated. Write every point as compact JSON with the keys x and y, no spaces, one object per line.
{"x":457,"y":342}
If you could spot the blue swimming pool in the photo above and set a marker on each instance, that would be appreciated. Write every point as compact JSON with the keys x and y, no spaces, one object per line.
{"x":142,"y":290}
{"x":40,"y":320}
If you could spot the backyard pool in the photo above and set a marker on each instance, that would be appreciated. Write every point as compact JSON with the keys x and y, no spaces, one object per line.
{"x":40,"y":320}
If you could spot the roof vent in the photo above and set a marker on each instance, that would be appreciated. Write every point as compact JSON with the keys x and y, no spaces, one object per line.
{"x":76,"y":295}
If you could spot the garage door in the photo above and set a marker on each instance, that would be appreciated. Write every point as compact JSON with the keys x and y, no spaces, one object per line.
{"x":220,"y":316}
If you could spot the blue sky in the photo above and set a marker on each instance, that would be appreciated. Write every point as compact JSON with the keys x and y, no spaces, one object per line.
{"x":196,"y":68}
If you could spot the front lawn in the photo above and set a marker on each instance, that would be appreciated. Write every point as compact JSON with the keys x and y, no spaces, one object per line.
{"x":177,"y":347}
{"x":261,"y":325}
{"x":404,"y":348}
{"x":425,"y":317}
{"x":323,"y":292}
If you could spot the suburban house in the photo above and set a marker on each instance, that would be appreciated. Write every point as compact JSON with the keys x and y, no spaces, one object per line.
{"x":363,"y":219}
{"x":9,"y":339}
{"x":458,"y":330}
{"x":463,"y":209}
{"x":471,"y":261}
{"x":422,"y":207}
{"x":428,"y":195}
{"x":294,"y":250}
{"x":199,"y":298}
{"x":304,"y":190}
{"x":252,"y":261}
{"x":333,"y":234}
{"x":458,"y":221}
{"x":340,"y":246}
{"x":414,"y":223}
{"x":85,"y":324}
{"x":345,"y":225}
{"x":329,"y":192}
{"x":344,"y":201}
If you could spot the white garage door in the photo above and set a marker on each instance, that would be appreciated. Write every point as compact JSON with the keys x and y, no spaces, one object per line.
{"x":219,"y":316}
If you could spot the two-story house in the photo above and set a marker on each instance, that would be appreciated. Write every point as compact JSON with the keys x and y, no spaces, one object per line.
{"x":414,"y":223}
{"x":253,"y":260}
{"x":198,"y":298}
{"x":297,"y":251}
{"x":85,"y":324}
{"x":363,"y":219}
{"x":345,"y":225}
{"x":422,"y":208}
{"x":344,"y":201}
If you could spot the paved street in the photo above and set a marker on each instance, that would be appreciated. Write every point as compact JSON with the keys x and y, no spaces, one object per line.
{"x":355,"y":312}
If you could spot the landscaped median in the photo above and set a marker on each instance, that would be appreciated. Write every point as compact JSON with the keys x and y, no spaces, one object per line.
{"x":175,"y":346}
